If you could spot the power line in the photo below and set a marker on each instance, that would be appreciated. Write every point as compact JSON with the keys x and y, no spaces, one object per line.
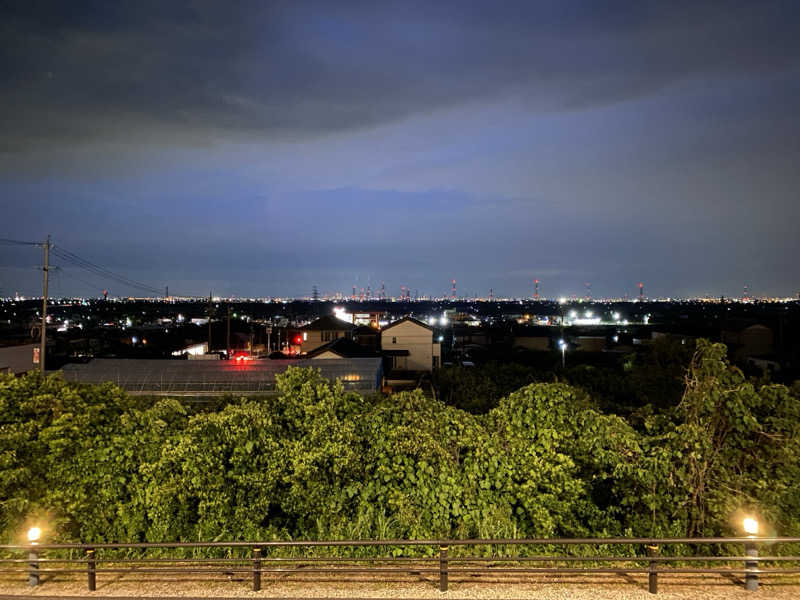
{"x":102,"y":272}
{"x":18,"y":242}
{"x":67,"y":272}
{"x":93,"y":268}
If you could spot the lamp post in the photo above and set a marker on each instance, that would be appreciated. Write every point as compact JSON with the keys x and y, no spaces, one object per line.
{"x":563,"y":345}
{"x":34,"y":533}
{"x":750,"y":526}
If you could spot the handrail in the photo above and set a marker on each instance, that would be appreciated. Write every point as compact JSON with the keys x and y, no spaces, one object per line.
{"x":656,"y":563}
{"x":396,"y":542}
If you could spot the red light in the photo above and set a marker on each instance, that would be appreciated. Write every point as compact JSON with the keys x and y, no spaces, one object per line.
{"x":298,"y":340}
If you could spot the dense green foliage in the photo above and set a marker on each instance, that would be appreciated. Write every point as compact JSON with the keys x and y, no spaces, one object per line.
{"x":652,"y":376}
{"x":315,"y":462}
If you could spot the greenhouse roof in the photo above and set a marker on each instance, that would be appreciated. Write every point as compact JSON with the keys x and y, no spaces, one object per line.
{"x":216,"y":377}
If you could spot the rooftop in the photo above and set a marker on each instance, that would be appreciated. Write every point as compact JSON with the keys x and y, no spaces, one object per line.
{"x":216,"y":377}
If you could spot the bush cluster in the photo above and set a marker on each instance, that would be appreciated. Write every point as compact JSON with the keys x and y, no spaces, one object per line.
{"x":317,"y":462}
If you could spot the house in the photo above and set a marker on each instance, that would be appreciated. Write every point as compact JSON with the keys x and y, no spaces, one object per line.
{"x":369,"y":337}
{"x":409,"y":343}
{"x":341,"y":348}
{"x":19,"y":359}
{"x":532,"y":338}
{"x":591,"y":343}
{"x":324,"y":330}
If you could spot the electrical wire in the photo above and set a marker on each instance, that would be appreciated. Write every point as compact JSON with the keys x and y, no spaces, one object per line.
{"x":66,"y":271}
{"x":99,"y":271}
{"x":102,"y":272}
{"x":19,"y":242}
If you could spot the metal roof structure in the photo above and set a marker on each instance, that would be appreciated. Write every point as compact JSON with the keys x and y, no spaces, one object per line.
{"x":217,"y":377}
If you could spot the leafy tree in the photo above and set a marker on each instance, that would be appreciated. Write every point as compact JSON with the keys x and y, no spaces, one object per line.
{"x":317,"y":462}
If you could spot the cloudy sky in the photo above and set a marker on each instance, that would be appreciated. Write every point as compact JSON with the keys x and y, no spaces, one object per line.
{"x":261,"y":148}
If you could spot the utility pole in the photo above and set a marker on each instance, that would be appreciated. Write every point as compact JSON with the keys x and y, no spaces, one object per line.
{"x":210,"y":310}
{"x":45,"y":269}
{"x":228,"y":338}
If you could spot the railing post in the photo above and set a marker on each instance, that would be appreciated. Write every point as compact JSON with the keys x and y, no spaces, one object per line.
{"x":652,"y":576}
{"x":442,"y":568}
{"x":751,"y":577}
{"x":33,"y":568}
{"x":91,"y":569}
{"x":256,"y":569}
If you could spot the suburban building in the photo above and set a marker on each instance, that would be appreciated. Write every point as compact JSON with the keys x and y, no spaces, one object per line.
{"x":369,"y":337}
{"x":19,"y":359}
{"x":324,"y":330}
{"x":219,"y":377}
{"x":590,"y":343}
{"x":410,"y":346}
{"x":341,"y":348}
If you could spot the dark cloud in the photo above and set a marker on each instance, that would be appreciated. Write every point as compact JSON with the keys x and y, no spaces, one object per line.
{"x":172,"y":72}
{"x":263,"y":147}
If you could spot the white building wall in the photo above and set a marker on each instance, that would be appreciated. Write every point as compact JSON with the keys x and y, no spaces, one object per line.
{"x":416,"y":339}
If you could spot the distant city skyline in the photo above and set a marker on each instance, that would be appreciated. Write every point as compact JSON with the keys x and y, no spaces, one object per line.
{"x":262,"y":148}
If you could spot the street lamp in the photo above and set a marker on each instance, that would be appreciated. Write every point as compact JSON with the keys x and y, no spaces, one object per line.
{"x":750,"y":526}
{"x":563,"y":345}
{"x":34,"y":533}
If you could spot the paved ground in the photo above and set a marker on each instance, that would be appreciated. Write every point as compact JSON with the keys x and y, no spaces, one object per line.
{"x":578,"y":587}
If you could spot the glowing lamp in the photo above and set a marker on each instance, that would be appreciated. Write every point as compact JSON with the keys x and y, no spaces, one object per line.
{"x":34,"y":533}
{"x":750,"y":526}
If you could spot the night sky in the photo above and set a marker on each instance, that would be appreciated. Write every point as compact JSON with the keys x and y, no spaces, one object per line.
{"x":262,"y":148}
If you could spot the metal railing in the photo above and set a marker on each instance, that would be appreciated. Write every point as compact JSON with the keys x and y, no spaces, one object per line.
{"x":647,"y":559}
